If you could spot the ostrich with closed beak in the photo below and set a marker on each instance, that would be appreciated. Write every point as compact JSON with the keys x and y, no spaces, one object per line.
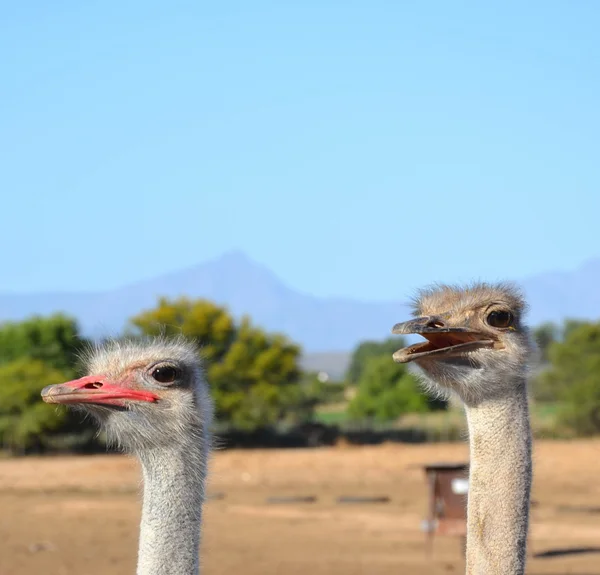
{"x":151,"y":399}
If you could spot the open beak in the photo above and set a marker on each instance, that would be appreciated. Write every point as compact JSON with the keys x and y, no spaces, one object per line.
{"x":96,"y":390}
{"x":441,"y":339}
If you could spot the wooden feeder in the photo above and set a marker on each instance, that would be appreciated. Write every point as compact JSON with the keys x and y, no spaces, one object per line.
{"x":448,"y":489}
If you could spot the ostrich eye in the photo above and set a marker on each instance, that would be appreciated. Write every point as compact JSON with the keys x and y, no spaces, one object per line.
{"x":165,"y":374}
{"x":500,"y":319}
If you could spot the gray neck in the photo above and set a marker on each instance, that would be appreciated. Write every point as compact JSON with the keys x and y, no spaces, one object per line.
{"x":499,"y":484}
{"x":174,"y":479}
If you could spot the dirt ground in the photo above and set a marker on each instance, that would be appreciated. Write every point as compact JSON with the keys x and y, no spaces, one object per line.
{"x":67,"y":515}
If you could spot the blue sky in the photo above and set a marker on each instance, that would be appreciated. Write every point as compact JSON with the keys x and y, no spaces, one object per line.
{"x":355,"y":148}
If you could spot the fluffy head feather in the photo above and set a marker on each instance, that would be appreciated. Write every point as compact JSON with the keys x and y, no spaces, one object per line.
{"x":184,"y":410}
{"x":468,"y":350}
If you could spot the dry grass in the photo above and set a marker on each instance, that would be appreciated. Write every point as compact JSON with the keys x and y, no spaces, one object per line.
{"x":79,"y":514}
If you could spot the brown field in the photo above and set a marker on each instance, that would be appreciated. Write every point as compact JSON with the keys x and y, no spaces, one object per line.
{"x":67,"y":515}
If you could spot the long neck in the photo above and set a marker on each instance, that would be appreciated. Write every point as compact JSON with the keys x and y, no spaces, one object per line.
{"x":499,"y":484}
{"x":174,"y":479}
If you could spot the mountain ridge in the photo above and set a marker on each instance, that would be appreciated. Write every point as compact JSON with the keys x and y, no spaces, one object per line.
{"x":319,"y":324}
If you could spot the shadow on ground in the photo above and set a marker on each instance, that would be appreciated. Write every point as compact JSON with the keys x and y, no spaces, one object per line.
{"x":566,"y":552}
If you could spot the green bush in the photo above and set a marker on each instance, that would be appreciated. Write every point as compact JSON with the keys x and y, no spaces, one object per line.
{"x":34,"y":353}
{"x":574,"y":378}
{"x":387,"y":390}
{"x":24,"y":417}
{"x":54,"y":340}
{"x":367,"y":350}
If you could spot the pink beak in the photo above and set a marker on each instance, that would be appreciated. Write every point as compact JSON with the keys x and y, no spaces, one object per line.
{"x":94,"y":389}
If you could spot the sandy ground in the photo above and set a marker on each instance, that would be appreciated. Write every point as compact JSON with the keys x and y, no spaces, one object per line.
{"x":79,"y":515}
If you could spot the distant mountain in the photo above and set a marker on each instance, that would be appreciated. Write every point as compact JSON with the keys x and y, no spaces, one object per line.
{"x":319,"y":324}
{"x":554,"y":296}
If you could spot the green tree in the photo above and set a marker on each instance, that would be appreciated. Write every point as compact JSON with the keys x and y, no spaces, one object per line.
{"x":254,"y":376}
{"x":209,"y":324}
{"x":574,"y":377}
{"x":34,"y":353}
{"x":386,"y":390}
{"x":368,"y":349}
{"x":24,"y":417}
{"x":545,"y":335}
{"x":571,"y":325}
{"x":54,"y":340}
{"x":257,"y":381}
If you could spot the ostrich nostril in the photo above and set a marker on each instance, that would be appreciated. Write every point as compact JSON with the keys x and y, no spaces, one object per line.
{"x":435,"y":322}
{"x":93,"y":385}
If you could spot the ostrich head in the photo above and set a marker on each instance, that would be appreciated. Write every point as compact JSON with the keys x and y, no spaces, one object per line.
{"x":144,"y":394}
{"x":476,"y":341}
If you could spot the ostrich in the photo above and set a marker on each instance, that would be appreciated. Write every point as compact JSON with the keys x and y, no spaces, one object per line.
{"x":151,"y":399}
{"x":478,"y":348}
